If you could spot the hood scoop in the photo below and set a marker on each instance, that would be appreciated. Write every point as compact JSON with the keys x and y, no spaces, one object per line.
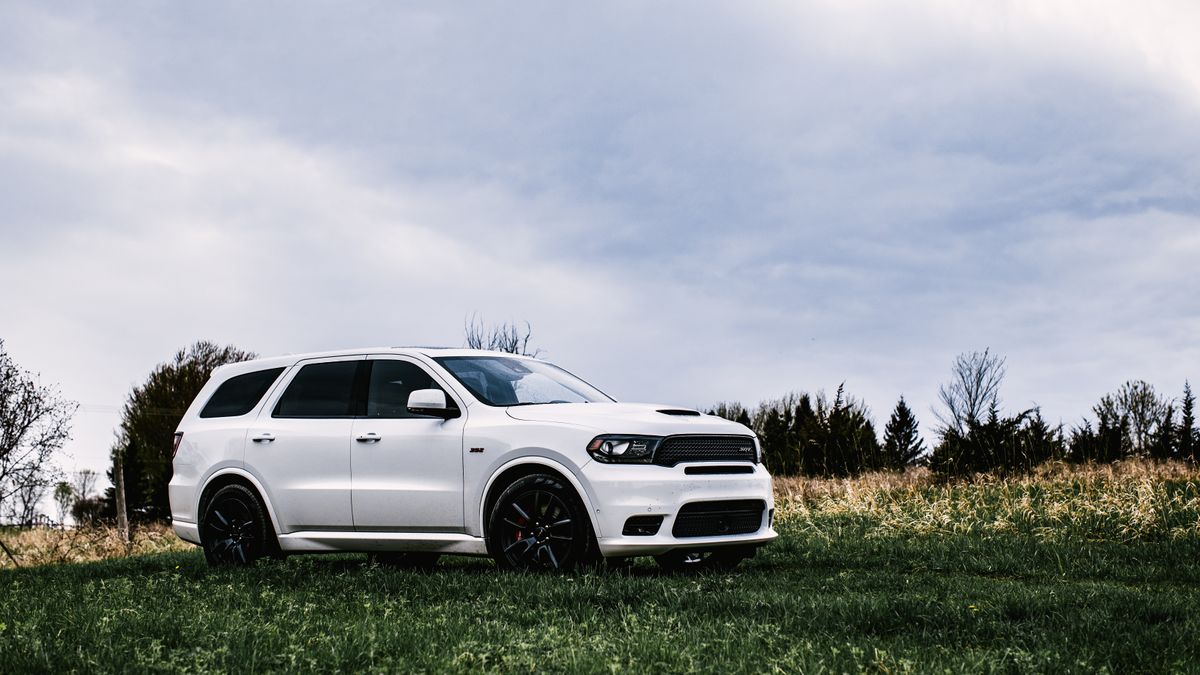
{"x":679,"y":412}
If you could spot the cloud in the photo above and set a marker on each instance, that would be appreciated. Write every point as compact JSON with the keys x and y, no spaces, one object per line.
{"x":688,"y":204}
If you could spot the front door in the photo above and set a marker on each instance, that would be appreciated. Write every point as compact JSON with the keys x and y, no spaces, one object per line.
{"x":407,"y":468}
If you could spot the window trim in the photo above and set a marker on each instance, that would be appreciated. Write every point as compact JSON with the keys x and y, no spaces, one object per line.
{"x":266,"y":393}
{"x":358,"y":389}
{"x":452,"y":397}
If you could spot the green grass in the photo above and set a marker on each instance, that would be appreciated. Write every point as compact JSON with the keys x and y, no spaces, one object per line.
{"x":836,"y":593}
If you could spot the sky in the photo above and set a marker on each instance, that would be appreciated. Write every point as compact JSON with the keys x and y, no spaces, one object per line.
{"x":688,"y":202}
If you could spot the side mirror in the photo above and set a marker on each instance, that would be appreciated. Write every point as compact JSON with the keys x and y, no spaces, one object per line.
{"x":431,"y":402}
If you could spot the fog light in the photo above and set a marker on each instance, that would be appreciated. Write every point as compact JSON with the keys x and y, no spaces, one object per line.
{"x":642,"y":526}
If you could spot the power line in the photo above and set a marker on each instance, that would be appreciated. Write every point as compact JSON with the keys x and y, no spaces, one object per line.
{"x":110,"y":409}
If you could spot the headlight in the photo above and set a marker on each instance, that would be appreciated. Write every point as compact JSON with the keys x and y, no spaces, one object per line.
{"x":618,"y":449}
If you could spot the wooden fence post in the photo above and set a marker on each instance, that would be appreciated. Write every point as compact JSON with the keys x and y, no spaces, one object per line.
{"x":119,"y":489}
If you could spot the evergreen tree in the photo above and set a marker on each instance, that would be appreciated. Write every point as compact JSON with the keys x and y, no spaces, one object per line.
{"x":774,"y":441}
{"x":1003,"y":444}
{"x":869,"y":451}
{"x":1186,"y":431}
{"x":850,"y":444}
{"x":1082,"y":446}
{"x":837,"y":437}
{"x":1037,"y":442}
{"x":808,"y":435}
{"x":733,"y":412}
{"x":1112,"y":438}
{"x":1163,"y":442}
{"x":805,"y":434}
{"x":150,"y":416}
{"x":902,"y":444}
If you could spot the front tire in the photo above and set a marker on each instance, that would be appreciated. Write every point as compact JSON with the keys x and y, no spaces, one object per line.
{"x":235,"y":530}
{"x":539,"y":523}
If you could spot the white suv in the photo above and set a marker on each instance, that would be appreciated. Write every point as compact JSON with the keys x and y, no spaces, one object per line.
{"x":409,"y":453}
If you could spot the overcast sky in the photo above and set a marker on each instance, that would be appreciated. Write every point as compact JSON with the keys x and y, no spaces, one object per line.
{"x":689,"y":203}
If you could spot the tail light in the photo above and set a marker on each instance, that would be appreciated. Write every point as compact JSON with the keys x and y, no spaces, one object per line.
{"x":178,"y":439}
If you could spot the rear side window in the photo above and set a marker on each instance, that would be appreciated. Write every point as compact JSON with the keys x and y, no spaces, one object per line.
{"x":239,"y":394}
{"x":320,"y":390}
{"x":391,"y":383}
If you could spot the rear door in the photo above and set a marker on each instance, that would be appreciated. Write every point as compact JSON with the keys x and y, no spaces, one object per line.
{"x":407,"y":468}
{"x":300,"y":444}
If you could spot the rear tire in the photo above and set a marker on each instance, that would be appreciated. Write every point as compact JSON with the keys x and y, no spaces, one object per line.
{"x":235,"y":530}
{"x":691,"y":562}
{"x":539,"y":523}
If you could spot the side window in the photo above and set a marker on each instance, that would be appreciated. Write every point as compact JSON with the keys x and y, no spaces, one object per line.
{"x":320,"y":390}
{"x":238,"y":395}
{"x":391,"y":383}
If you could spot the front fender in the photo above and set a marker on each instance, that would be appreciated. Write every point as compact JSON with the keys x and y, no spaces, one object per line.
{"x":536,"y":457}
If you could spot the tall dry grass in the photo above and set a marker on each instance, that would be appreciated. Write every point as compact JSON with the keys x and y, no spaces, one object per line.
{"x":49,"y":546}
{"x":1126,"y":502}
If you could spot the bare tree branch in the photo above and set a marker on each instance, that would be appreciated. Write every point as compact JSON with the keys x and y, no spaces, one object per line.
{"x":84,"y":484}
{"x":972,"y":393}
{"x":34,"y":423}
{"x":1138,"y":403}
{"x":504,"y":337}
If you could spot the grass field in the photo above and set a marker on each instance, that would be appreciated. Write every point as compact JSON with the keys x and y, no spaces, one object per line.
{"x":1067,"y":571}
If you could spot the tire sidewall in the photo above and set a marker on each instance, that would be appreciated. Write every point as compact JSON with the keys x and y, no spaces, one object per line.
{"x":587,"y":551}
{"x":264,"y":532}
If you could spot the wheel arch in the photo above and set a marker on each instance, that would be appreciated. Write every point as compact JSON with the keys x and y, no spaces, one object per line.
{"x":516,"y":469}
{"x":230,"y":476}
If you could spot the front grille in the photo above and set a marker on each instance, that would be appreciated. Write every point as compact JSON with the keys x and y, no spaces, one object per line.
{"x":676,"y":449}
{"x":713,"y":519}
{"x":717,"y":470}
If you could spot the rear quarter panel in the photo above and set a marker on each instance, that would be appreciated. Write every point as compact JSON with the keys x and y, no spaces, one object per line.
{"x":213,"y":444}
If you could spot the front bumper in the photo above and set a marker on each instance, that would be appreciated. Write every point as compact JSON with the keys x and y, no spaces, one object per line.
{"x":620,"y":491}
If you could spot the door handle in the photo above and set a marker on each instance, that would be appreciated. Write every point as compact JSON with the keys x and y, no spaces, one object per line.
{"x":263,"y":438}
{"x":367,"y":438}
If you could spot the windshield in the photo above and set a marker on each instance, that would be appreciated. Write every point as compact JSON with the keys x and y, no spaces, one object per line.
{"x":505,"y":381}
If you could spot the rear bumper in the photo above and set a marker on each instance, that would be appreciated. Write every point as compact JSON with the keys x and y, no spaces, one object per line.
{"x":619,"y":492}
{"x":186,"y":531}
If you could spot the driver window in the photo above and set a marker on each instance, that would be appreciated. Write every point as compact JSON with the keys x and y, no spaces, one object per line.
{"x":391,"y":383}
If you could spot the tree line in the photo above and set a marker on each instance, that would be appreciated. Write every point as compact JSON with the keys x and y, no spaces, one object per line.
{"x":806,"y":434}
{"x":812,"y":435}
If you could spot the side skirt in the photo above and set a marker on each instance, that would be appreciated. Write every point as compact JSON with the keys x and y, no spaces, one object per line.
{"x":432,"y":542}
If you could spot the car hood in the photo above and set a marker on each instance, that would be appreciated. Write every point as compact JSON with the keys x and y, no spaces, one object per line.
{"x":629,"y":418}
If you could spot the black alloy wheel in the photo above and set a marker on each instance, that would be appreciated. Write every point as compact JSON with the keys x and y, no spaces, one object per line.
{"x":539,"y":523}
{"x":718,"y":560}
{"x":235,"y":530}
